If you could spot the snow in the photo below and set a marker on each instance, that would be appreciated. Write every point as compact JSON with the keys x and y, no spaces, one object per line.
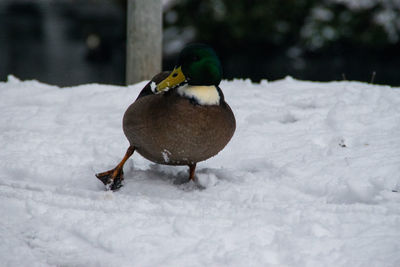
{"x":165,"y":154}
{"x":307,"y":180}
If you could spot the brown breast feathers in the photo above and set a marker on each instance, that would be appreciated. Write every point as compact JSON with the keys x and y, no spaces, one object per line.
{"x":168,"y":129}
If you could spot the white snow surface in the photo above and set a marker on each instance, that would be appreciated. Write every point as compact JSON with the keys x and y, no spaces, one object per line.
{"x":309,"y":179}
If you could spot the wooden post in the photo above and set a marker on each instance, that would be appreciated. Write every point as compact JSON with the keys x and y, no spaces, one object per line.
{"x":144,"y":40}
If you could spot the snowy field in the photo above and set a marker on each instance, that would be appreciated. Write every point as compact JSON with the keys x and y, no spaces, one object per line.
{"x":309,"y":179}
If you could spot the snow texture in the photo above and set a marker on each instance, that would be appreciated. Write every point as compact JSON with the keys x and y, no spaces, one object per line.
{"x":165,"y":154}
{"x":309,"y":179}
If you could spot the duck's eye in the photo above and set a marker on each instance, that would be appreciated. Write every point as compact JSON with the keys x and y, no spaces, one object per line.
{"x":195,"y":58}
{"x":175,"y":74}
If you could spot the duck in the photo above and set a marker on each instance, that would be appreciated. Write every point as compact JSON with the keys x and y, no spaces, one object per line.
{"x":179,"y":118}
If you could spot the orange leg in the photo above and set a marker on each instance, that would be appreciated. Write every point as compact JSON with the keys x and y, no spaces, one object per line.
{"x":192,"y":168}
{"x":113,"y":178}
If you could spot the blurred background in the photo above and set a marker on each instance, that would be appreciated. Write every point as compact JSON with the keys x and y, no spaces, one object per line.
{"x":70,"y":42}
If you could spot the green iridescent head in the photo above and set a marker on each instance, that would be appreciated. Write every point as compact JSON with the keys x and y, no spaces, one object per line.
{"x":197,"y":65}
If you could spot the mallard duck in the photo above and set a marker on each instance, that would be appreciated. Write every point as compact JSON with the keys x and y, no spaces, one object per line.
{"x":180,"y":117}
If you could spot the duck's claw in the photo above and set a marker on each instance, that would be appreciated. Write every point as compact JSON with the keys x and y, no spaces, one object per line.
{"x":112,"y":179}
{"x":115,"y":184}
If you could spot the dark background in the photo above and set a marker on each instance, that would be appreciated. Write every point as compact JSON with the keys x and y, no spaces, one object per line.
{"x":70,"y":42}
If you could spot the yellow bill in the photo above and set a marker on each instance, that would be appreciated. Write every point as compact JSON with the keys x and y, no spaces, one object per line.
{"x":175,"y":78}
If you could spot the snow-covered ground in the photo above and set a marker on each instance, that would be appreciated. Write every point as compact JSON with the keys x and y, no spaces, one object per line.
{"x":309,"y":179}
